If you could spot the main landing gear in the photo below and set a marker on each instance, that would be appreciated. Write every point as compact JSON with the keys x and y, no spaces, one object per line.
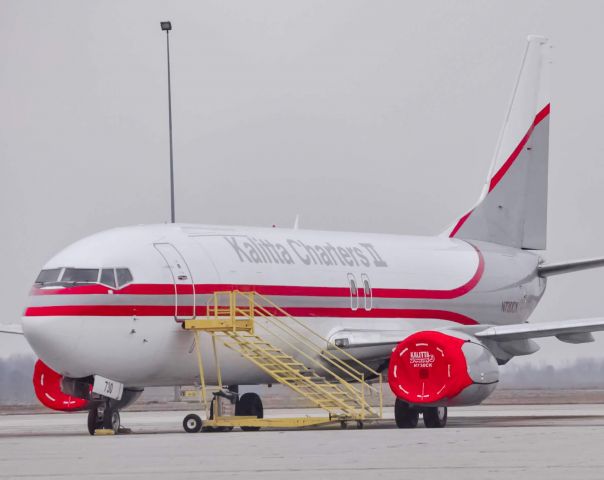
{"x":407,"y":416}
{"x":248,"y":405}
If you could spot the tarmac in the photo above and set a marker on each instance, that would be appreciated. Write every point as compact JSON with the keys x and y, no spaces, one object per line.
{"x":485,"y":442}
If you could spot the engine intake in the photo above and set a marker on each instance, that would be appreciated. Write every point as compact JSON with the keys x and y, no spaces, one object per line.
{"x":435,"y":368}
{"x":47,"y":385}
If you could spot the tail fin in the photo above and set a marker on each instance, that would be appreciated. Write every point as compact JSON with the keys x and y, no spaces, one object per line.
{"x":512,"y":209}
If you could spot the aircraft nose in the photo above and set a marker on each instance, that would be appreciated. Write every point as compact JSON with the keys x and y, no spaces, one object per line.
{"x":55,"y":341}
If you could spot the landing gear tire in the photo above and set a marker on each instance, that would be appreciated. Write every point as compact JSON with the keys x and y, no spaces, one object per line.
{"x":192,"y":423}
{"x":111,"y":419}
{"x":435,"y":417}
{"x":404,"y":415}
{"x":249,"y":405}
{"x":95,"y":421}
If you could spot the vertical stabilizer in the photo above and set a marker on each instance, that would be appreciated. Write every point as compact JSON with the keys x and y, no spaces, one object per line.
{"x":512,"y":209}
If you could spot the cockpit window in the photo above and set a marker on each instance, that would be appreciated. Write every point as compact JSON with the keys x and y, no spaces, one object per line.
{"x":69,"y":277}
{"x":48,"y":276}
{"x":108,"y":277}
{"x":80,"y":275}
{"x":123,"y":276}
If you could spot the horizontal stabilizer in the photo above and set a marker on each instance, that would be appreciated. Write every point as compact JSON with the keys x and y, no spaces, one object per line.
{"x":548,"y":269}
{"x":566,"y":330}
{"x":12,"y":329}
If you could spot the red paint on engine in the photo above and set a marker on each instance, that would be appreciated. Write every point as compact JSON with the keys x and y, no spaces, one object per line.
{"x":47,"y":385}
{"x":427,"y":367}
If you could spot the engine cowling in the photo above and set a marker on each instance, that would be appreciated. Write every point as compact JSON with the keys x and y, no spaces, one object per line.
{"x":47,"y":385}
{"x":435,"y":368}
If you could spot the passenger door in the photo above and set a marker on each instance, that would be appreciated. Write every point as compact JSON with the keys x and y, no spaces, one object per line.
{"x":184,"y":287}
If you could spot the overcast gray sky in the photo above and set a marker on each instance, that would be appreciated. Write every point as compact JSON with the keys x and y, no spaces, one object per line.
{"x":376,"y":116}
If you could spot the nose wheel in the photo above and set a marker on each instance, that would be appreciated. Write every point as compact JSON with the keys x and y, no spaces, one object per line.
{"x":104,"y":417}
{"x":95,"y":420}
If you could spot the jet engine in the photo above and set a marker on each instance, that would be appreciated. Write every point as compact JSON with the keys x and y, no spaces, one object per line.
{"x":72,"y":394}
{"x":442,"y":369}
{"x":49,"y":390}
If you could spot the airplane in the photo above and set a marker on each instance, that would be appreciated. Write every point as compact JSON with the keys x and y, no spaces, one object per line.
{"x":439,"y":314}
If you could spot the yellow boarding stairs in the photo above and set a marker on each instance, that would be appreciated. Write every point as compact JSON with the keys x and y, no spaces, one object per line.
{"x":290,"y":353}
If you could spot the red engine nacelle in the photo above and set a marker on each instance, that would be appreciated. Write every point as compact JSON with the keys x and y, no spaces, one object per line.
{"x":441,"y":369}
{"x":47,"y":385}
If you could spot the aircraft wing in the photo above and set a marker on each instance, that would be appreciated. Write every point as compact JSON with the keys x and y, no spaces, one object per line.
{"x":571,"y":331}
{"x":12,"y":329}
{"x":377,"y":345}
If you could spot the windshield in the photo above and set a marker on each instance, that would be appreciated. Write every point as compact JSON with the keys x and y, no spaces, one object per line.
{"x":80,"y":275}
{"x":49,"y":276}
{"x":67,"y":277}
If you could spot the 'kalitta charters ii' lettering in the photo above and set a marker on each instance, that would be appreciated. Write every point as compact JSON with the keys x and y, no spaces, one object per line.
{"x":257,"y":250}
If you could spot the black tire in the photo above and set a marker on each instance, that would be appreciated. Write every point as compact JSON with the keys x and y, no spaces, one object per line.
{"x":249,"y":405}
{"x":404,"y":415}
{"x":94,"y":421}
{"x":192,"y":423}
{"x":435,"y":417}
{"x":111,"y":419}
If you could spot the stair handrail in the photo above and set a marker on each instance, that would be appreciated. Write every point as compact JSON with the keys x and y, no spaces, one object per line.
{"x":316,"y":363}
{"x":323,"y":353}
{"x":235,"y":312}
{"x":311,"y":331}
{"x":355,"y":374}
{"x":362,"y":406}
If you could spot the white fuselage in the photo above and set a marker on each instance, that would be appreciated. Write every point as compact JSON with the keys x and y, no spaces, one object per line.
{"x":332,"y":280}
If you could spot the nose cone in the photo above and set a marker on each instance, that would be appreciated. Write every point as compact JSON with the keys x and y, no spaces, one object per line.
{"x":55,"y":340}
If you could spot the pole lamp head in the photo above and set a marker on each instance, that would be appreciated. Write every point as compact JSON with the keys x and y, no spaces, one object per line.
{"x":166,"y":26}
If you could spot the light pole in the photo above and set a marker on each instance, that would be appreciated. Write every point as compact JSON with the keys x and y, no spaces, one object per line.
{"x":167,"y":26}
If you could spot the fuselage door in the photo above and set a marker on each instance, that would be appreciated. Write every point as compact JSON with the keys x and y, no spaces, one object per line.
{"x":184,"y":288}
{"x":354,"y":292}
{"x":367,"y":292}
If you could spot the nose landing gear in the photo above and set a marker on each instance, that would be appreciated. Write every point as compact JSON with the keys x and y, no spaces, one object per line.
{"x":104,"y":414}
{"x":104,"y":417}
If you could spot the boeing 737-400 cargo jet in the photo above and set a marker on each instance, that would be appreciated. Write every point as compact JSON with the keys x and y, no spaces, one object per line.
{"x":438,"y":314}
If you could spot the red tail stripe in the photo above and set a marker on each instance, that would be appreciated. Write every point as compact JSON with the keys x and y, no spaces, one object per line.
{"x":508,"y":163}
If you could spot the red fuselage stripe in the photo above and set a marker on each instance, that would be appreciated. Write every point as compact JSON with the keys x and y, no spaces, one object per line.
{"x":187,"y":311}
{"x":272,"y":290}
{"x":276,"y":290}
